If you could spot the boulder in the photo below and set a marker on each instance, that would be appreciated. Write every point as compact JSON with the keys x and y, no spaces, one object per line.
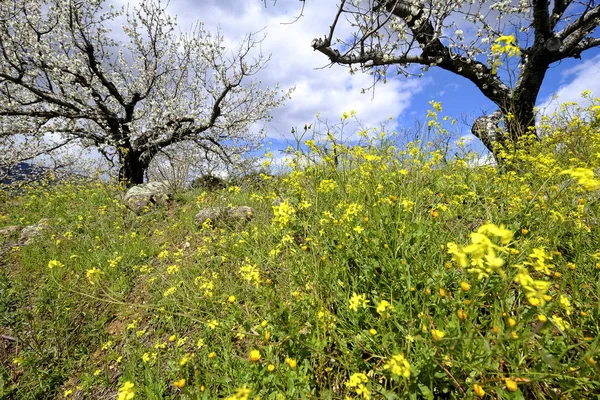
{"x":208,"y":182}
{"x":226,"y":215}
{"x":138,"y":197}
{"x":29,"y":233}
{"x":8,"y":231}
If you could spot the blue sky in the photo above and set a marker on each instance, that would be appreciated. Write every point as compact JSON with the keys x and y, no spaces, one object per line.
{"x":332,"y":90}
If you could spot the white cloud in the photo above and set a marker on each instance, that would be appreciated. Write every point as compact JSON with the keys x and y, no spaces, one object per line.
{"x":319,"y":88}
{"x":582,"y":77}
{"x":466,"y":139}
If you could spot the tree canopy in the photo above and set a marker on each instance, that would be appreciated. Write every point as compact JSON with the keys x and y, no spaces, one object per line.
{"x":125,"y":82}
{"x":503,"y":47}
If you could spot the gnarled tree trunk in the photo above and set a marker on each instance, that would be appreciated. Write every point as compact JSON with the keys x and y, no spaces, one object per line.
{"x":133,"y":168}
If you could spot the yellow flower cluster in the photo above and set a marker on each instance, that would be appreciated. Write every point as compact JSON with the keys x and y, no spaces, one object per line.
{"x":398,"y":365}
{"x":250,"y":273}
{"x":55,"y":264}
{"x":126,"y":391}
{"x":93,"y":275}
{"x":357,"y":301}
{"x":240,"y":394}
{"x":326,"y":186}
{"x":482,"y":251}
{"x":584,"y":177}
{"x":535,"y":290}
{"x":505,"y":44}
{"x":357,"y":384}
{"x":283,"y":213}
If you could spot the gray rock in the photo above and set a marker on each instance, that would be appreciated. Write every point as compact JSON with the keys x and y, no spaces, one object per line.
{"x":29,"y":233}
{"x":228,"y":215}
{"x":277,"y":201}
{"x":138,"y":197}
{"x":8,"y":231}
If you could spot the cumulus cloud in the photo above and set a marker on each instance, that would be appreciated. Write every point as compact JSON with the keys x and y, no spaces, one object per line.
{"x":584,"y":76}
{"x":328,"y":90}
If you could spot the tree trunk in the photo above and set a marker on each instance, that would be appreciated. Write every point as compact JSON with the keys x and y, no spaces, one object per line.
{"x":515,"y":108}
{"x":519,"y":120}
{"x":132,"y":168}
{"x":487,"y":129}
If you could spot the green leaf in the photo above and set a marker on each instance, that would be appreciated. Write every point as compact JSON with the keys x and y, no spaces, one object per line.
{"x":427,"y":394}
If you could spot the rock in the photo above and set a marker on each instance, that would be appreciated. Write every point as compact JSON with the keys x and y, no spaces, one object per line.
{"x":227,"y":215}
{"x":208,"y":182}
{"x":29,"y":233}
{"x":8,"y":237}
{"x":138,"y":197}
{"x":9,"y":231}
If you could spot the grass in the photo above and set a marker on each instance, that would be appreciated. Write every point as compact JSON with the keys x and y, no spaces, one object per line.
{"x":393,"y":274}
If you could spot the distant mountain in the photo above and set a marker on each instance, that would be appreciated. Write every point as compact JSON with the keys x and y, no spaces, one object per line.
{"x":23,"y":171}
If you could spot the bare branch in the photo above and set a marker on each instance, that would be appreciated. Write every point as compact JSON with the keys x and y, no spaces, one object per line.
{"x":457,"y":35}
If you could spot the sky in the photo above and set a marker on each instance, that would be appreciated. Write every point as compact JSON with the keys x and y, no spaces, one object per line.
{"x":331,"y":90}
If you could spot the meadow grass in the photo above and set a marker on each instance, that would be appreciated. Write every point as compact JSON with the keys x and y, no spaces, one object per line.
{"x":385,"y":274}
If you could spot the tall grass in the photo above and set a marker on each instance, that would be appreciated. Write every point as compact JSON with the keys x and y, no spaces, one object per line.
{"x":385,"y":273}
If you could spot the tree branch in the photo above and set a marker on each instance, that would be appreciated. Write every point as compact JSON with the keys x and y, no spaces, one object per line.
{"x":50,"y":98}
{"x":434,"y":52}
{"x":541,"y":21}
{"x":585,"y":44}
{"x":586,"y":21}
{"x":88,"y":50}
{"x":573,"y":34}
{"x":560,"y":7}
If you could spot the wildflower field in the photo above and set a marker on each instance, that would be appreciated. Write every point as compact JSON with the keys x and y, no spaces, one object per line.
{"x":382,"y":273}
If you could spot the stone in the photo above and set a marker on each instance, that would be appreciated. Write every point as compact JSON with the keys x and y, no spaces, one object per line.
{"x":140,"y":196}
{"x":9,"y":231}
{"x":29,"y":233}
{"x":227,"y":215}
{"x":208,"y":182}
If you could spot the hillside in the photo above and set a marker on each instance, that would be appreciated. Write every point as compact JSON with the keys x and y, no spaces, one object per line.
{"x":397,"y":273}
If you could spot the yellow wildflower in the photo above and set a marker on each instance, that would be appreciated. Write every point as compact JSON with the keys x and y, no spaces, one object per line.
{"x":437,"y":334}
{"x":383,"y":307}
{"x":212,"y":324}
{"x":478,"y":390}
{"x":255,"y":355}
{"x":357,"y":301}
{"x":291,"y":362}
{"x":126,"y":391}
{"x":398,"y":365}
{"x":583,"y":176}
{"x":184,"y":360}
{"x":179,"y":384}
{"x":511,"y":385}
{"x":55,"y":263}
{"x":542,"y":318}
{"x":561,"y":323}
{"x":240,"y":394}
{"x":357,"y":383}
{"x":93,"y":275}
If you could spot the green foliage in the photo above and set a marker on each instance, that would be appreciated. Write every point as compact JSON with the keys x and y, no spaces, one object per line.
{"x":383,"y":274}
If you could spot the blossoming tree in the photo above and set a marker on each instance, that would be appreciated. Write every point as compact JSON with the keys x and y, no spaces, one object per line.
{"x":124,"y":82}
{"x":503,"y":47}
